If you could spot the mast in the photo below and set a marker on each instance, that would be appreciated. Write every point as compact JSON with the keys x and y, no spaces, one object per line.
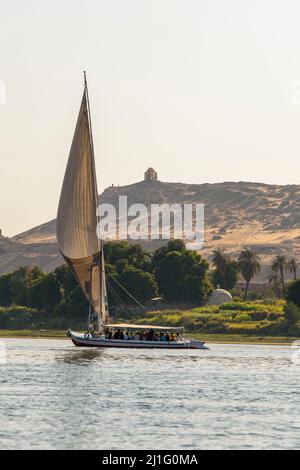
{"x":86,"y":91}
{"x":104,"y":308}
{"x":77,"y":215}
{"x":103,"y":317}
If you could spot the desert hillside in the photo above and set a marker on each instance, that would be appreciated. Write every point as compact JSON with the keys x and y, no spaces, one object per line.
{"x":265,"y":217}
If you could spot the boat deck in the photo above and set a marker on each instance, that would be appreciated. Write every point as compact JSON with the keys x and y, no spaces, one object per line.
{"x":82,"y":340}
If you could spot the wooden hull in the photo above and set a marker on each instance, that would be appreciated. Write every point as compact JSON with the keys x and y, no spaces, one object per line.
{"x":87,"y":341}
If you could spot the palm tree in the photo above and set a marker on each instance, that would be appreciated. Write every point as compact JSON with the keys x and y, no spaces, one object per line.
{"x":280,"y":264}
{"x":292,"y":266}
{"x":273,"y":279}
{"x":219,"y":260}
{"x":249,"y":264}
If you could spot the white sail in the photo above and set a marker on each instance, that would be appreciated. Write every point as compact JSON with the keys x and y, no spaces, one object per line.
{"x":76,"y":218}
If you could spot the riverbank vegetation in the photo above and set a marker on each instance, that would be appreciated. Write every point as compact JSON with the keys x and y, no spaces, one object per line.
{"x":33,"y":300}
{"x":207,"y":337}
{"x":256,"y":318}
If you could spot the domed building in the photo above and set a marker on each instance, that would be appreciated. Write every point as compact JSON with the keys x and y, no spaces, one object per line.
{"x":219,"y":297}
{"x":150,"y":175}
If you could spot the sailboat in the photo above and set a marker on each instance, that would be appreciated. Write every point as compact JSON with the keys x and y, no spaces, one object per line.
{"x":83,"y":252}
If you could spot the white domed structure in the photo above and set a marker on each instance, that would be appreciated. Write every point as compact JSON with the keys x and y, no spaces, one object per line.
{"x":219,"y":297}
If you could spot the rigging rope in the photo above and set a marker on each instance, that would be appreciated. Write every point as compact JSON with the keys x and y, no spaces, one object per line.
{"x":128,"y":293}
{"x":118,"y":298}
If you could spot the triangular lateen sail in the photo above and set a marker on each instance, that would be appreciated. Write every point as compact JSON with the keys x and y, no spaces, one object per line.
{"x":76,"y":218}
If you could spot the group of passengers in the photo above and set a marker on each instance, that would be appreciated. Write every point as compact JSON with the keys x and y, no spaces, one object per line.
{"x":142,"y":336}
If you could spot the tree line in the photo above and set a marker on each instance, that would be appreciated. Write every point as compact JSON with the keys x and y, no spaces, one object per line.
{"x":178,"y":274}
{"x":173,"y":272}
{"x":248,"y":265}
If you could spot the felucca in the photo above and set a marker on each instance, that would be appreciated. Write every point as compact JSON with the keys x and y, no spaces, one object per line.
{"x":83,"y":252}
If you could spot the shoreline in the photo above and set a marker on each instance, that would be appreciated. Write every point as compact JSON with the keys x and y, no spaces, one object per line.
{"x":208,"y":338}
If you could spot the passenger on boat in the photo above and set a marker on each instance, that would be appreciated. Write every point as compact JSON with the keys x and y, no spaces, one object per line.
{"x":150,"y":335}
{"x":117,"y":334}
{"x":143,"y":336}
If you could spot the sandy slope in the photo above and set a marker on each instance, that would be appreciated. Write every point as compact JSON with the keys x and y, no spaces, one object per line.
{"x":266,"y":217}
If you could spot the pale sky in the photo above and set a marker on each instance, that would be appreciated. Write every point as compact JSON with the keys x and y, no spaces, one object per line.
{"x":202,"y":90}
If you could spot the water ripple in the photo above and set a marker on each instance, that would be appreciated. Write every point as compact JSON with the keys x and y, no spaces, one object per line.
{"x":54,"y":396}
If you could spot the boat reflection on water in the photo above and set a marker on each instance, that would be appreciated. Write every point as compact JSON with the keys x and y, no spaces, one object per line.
{"x":79,"y":357}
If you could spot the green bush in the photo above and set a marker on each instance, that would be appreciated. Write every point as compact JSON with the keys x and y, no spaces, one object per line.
{"x":293,"y":293}
{"x":215,"y":326}
{"x":253,"y":307}
{"x":292,"y":314}
{"x":17,"y":318}
{"x":238,"y":318}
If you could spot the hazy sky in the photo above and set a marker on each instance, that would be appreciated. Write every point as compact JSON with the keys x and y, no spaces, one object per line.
{"x":202,"y":90}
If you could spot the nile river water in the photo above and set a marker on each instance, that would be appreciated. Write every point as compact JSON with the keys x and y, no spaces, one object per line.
{"x":55,"y":396}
